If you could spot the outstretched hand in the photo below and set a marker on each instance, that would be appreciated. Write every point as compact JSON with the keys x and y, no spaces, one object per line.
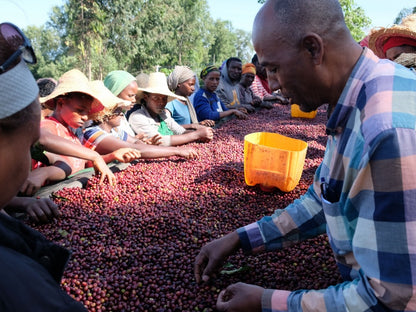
{"x":101,"y":167}
{"x":212,"y":256}
{"x":126,"y":154}
{"x":240,"y":297}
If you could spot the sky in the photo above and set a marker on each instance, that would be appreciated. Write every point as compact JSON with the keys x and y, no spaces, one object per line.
{"x":241,"y":13}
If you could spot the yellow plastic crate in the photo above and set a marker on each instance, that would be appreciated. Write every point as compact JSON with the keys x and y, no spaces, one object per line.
{"x":273,"y":160}
{"x":297,"y":112}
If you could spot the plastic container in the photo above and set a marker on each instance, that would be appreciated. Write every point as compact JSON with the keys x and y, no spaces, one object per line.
{"x":273,"y":160}
{"x":297,"y":112}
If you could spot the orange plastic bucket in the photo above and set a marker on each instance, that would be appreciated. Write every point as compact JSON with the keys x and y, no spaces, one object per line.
{"x":297,"y":112}
{"x":273,"y":160}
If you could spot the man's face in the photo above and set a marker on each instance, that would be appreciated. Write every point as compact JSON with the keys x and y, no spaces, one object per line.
{"x":288,"y":67}
{"x":247,"y":79}
{"x":234,"y":70}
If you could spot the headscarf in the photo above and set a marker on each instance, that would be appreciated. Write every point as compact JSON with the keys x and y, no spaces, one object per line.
{"x":179,"y":75}
{"x":248,"y":68}
{"x":118,"y":80}
{"x":207,"y":70}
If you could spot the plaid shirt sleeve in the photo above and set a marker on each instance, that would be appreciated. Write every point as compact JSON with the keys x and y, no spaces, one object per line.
{"x":370,"y":163}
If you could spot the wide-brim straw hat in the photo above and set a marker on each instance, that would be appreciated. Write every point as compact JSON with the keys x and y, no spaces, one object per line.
{"x":157,"y":84}
{"x":72,"y":81}
{"x":378,"y":37}
{"x":106,"y":97}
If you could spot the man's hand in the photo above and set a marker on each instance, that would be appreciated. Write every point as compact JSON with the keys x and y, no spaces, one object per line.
{"x":212,"y":256}
{"x":240,"y":297}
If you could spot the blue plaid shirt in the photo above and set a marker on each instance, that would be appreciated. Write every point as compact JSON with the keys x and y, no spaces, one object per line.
{"x":369,"y":207}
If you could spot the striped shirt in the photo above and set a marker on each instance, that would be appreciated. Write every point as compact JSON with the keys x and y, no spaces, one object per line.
{"x":368,"y":209}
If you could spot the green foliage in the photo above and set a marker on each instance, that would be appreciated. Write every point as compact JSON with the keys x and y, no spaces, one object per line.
{"x":403,"y":13}
{"x":355,"y":19}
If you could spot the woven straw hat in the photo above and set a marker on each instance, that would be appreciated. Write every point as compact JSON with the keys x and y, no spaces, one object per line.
{"x":157,"y":83}
{"x":106,"y":97}
{"x":378,"y":37}
{"x":72,"y":81}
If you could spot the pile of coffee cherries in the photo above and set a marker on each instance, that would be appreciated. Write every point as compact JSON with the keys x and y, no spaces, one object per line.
{"x":134,"y":244}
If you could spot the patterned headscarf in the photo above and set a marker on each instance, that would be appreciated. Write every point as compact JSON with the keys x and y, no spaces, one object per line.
{"x":207,"y":70}
{"x":179,"y":75}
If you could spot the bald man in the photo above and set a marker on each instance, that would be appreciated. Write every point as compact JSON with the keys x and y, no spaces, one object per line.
{"x":364,"y":192}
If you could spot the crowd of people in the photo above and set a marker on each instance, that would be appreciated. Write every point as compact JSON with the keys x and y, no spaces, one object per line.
{"x":363,"y":191}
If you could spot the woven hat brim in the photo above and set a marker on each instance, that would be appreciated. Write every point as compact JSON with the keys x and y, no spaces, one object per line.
{"x":379,"y":37}
{"x":171,"y":96}
{"x":70,"y":82}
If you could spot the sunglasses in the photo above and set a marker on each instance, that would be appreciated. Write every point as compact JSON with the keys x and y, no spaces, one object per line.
{"x":16,"y":38}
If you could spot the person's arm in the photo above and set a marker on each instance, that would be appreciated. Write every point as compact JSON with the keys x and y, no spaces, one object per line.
{"x":125,"y":154}
{"x":39,"y":176}
{"x":270,"y":232}
{"x":111,"y":143}
{"x":204,"y":134}
{"x":58,"y":145}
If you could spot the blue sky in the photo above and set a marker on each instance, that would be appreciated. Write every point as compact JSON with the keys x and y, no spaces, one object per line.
{"x":240,"y":12}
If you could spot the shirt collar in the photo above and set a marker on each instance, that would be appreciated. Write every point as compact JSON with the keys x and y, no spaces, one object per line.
{"x":348,"y":99}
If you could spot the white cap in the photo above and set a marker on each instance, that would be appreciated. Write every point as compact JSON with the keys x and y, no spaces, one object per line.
{"x":18,"y":89}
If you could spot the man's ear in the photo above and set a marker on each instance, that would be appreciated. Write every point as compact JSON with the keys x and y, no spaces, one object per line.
{"x":314,"y":46}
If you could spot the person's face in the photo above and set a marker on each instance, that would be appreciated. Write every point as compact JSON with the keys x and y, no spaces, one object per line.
{"x":289,"y":68}
{"x":187,"y":87}
{"x":73,"y":111}
{"x":260,"y":70}
{"x":234,"y":70}
{"x":15,"y":152}
{"x":114,"y":119}
{"x":211,"y":81}
{"x":247,"y":79}
{"x":129,"y":93}
{"x":155,"y":103}
{"x":395,"y":52}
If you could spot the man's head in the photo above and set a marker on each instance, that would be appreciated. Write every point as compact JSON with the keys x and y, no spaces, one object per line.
{"x":260,"y":70}
{"x":234,"y":66}
{"x":19,"y":115}
{"x":301,"y":57}
{"x":247,"y":74}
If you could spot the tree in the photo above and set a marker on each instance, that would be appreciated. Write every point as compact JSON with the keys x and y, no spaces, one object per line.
{"x":223,"y":45}
{"x":98,"y":36}
{"x":403,"y":13}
